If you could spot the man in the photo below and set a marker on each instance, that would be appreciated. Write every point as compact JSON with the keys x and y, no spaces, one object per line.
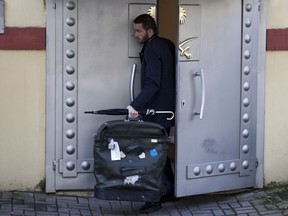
{"x":157,"y":89}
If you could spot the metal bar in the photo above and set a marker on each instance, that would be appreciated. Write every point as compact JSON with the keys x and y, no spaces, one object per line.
{"x":203,"y":93}
{"x":132,"y":81}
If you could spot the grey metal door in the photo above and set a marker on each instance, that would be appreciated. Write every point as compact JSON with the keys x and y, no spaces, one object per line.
{"x":91,"y":53}
{"x":95,"y":52}
{"x":217,"y":88}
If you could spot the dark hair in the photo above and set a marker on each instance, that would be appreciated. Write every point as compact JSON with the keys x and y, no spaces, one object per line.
{"x":147,"y":21}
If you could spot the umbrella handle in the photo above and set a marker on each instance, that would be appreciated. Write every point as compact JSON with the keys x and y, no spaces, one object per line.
{"x":153,"y":112}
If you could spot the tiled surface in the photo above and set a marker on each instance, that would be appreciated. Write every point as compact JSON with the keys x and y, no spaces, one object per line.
{"x":270,"y":201}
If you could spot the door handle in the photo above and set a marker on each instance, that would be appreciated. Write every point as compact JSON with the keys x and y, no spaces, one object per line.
{"x":132,"y":81}
{"x":203,"y":94}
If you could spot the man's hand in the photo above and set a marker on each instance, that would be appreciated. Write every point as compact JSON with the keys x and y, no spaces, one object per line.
{"x":132,"y":113}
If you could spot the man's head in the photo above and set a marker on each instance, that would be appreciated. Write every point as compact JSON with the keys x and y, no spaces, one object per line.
{"x":144,"y":27}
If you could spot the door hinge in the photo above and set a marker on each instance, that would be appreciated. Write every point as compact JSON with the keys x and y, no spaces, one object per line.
{"x":54,"y":165}
{"x":256,"y":163}
{"x":54,"y":4}
{"x":259,"y":5}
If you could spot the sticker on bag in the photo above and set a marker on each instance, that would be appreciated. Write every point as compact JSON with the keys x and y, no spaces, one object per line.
{"x":153,"y":152}
{"x":142,"y":155}
{"x":131,"y":179}
{"x":115,"y":150}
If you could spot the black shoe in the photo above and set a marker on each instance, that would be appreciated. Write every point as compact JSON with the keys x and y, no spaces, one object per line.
{"x":150,"y":207}
{"x":168,"y":198}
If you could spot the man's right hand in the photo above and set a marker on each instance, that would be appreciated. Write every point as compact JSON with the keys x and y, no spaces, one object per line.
{"x":132,"y":113}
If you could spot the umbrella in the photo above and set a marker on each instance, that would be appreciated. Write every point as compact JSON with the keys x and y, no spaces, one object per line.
{"x":125,"y":112}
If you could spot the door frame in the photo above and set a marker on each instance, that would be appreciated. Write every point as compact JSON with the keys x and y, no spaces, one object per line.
{"x":50,"y":113}
{"x":260,"y":131}
{"x":50,"y":138}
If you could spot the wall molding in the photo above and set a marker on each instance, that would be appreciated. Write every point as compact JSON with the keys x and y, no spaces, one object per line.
{"x":277,"y":39}
{"x":34,"y":38}
{"x":14,"y":38}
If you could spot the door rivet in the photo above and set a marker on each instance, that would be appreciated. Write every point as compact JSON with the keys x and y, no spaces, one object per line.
{"x":245,"y":133}
{"x":70,"y":53}
{"x":70,"y":37}
{"x":70,"y":69}
{"x":245,"y":117}
{"x":247,"y":38}
{"x":70,"y":134}
{"x":85,"y":165}
{"x":248,"y":7}
{"x":70,"y":165}
{"x":70,"y":118}
{"x":248,"y":23}
{"x":247,"y":54}
{"x":245,"y":149}
{"x":209,"y":169}
{"x":70,"y":102}
{"x":245,"y":164}
{"x":246,"y":86}
{"x":246,"y":102}
{"x":70,"y":149}
{"x":197,"y":171}
{"x":233,"y":166}
{"x":71,"y":5}
{"x":221,"y":167}
{"x":246,"y":70}
{"x":70,"y":21}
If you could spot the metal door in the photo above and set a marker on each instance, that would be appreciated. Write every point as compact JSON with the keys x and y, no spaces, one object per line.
{"x":89,"y":68}
{"x":90,"y":55}
{"x":217,"y":90}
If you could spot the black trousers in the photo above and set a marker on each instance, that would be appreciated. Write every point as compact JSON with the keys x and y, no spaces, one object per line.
{"x":168,"y":175}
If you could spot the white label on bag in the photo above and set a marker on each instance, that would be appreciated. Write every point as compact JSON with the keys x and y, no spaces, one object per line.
{"x":131,"y":179}
{"x":142,"y":155}
{"x":115,"y":153}
{"x":154,"y":140}
{"x":123,"y":155}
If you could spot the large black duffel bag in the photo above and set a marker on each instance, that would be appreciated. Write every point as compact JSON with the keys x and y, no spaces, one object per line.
{"x":129,"y":157}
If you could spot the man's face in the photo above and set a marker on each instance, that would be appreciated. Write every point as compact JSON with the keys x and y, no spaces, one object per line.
{"x":140,"y":33}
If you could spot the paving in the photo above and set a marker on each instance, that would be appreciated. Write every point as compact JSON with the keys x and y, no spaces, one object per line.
{"x":268,"y":201}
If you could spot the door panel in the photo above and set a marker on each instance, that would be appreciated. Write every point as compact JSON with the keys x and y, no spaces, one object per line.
{"x":210,"y":144}
{"x":96,"y":52}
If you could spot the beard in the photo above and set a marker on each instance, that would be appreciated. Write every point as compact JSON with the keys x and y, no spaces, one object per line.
{"x":144,"y":39}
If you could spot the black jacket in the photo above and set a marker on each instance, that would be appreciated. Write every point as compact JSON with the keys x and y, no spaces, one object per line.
{"x":157,"y":80}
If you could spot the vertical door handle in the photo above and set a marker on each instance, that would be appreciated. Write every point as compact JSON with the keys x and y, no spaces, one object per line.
{"x":132,"y":81}
{"x":203,"y":94}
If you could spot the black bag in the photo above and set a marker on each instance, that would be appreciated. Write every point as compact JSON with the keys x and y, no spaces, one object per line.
{"x":129,"y":157}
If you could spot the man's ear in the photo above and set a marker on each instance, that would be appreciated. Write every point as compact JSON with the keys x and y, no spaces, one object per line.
{"x":150,"y":32}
